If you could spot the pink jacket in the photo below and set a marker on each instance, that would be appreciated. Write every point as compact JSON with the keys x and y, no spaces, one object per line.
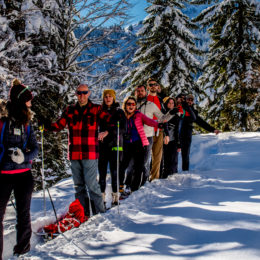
{"x":140,"y":119}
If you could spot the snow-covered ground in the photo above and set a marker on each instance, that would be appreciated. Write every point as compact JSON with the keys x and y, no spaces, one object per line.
{"x":210,"y":212}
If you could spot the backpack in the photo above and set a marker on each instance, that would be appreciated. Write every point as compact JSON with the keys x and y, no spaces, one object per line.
{"x":2,"y":130}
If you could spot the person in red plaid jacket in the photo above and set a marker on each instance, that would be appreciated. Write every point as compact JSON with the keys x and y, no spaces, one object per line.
{"x":82,"y":120}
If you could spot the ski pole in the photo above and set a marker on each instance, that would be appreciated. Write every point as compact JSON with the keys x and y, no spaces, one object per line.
{"x":117,"y":165}
{"x":42,"y":170}
{"x":13,"y":204}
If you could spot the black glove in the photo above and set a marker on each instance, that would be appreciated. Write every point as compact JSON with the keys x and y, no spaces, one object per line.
{"x":42,"y":121}
{"x":174,"y":111}
{"x":161,"y":125}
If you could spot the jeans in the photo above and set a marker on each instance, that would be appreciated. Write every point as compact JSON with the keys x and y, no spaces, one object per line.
{"x":84,"y":173}
{"x":22,"y":185}
{"x":147,"y":160}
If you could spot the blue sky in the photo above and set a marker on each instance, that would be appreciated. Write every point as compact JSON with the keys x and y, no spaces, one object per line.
{"x":137,"y":11}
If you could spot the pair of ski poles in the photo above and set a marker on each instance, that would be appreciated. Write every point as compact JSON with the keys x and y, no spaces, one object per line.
{"x":44,"y":197}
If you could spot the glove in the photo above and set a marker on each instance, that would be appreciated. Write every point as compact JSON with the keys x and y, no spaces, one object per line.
{"x":17,"y":156}
{"x":174,"y":111}
{"x":42,"y":121}
{"x":161,"y":125}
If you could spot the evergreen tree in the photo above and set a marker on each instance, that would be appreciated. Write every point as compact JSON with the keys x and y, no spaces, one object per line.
{"x":118,"y":47}
{"x":38,"y":45}
{"x":167,"y":49}
{"x":231,"y":97}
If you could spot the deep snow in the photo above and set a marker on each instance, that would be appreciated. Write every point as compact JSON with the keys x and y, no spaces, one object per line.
{"x":210,"y":212}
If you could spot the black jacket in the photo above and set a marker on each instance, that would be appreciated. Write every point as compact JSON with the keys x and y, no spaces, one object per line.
{"x":187,"y":124}
{"x":117,"y":115}
{"x":173,"y":127}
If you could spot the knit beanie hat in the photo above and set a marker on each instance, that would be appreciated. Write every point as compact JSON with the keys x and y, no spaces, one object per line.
{"x":19,"y":92}
{"x":180,"y":95}
{"x":190,"y":96}
{"x":165,"y":99}
{"x":110,"y":92}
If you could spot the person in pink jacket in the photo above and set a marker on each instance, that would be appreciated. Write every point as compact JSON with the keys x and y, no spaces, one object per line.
{"x":135,"y":143}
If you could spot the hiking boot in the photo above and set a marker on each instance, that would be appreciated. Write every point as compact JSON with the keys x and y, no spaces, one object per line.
{"x":21,"y":251}
{"x":121,"y":188}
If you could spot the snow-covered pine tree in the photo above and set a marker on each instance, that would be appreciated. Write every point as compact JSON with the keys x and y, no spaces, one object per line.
{"x":231,"y":97}
{"x":40,"y":48}
{"x":108,"y":72}
{"x":167,"y":48}
{"x":25,"y":55}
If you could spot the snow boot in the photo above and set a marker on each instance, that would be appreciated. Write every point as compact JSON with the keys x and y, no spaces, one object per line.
{"x":21,"y":251}
{"x":114,"y":199}
{"x":125,"y":193}
{"x":121,"y":188}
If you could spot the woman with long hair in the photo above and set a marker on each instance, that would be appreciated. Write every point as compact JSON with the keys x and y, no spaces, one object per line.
{"x":18,"y":148}
{"x":108,"y":144}
{"x":172,"y":147}
{"x":135,"y":143}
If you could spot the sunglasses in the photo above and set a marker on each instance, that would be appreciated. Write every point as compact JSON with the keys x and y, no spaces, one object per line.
{"x":130,"y":104}
{"x":151,"y":85}
{"x":190,"y":99}
{"x":82,"y":92}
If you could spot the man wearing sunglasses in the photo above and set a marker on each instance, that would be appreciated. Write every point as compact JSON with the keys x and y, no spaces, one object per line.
{"x":157,"y":146}
{"x":82,"y":121}
{"x":151,"y":110}
{"x":191,"y":116}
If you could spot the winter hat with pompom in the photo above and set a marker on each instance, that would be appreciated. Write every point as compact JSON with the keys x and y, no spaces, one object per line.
{"x":19,"y":92}
{"x":110,"y":92}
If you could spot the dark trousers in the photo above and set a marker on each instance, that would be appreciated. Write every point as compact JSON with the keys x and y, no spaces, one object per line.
{"x":170,"y":159}
{"x":185,"y":152}
{"x":22,"y":185}
{"x":106,"y":155}
{"x":136,"y":152}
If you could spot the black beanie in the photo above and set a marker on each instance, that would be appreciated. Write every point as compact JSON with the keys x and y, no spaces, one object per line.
{"x":180,"y":95}
{"x":19,"y":92}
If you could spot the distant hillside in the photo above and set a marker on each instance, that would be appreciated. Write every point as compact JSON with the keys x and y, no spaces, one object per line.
{"x":114,"y":68}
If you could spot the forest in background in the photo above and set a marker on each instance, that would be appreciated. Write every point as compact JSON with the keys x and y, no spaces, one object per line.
{"x":210,"y":49}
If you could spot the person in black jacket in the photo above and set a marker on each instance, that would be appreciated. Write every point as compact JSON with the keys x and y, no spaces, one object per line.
{"x":19,"y":147}
{"x":191,"y":116}
{"x":172,"y":147}
{"x":108,"y":145}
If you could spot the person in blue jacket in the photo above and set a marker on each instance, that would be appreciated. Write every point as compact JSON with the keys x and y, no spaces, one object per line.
{"x":18,"y":148}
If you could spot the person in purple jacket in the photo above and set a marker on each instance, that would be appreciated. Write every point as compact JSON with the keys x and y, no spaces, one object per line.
{"x":18,"y":148}
{"x":135,"y":143}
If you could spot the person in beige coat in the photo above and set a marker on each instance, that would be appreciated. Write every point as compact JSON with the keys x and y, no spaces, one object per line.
{"x":151,"y":110}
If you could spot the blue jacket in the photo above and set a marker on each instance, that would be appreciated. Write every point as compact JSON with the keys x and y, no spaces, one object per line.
{"x":12,"y":140}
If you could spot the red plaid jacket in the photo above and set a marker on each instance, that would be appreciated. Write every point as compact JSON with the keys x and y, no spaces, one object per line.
{"x":82,"y":123}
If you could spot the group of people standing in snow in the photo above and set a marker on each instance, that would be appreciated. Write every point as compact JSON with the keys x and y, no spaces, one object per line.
{"x":139,"y":142}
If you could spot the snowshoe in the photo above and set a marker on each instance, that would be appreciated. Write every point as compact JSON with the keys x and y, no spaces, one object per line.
{"x":46,"y":236}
